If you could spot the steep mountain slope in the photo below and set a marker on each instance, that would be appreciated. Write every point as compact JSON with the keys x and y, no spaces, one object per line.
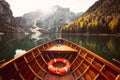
{"x":58,"y":19}
{"x":101,"y":18}
{"x":53,"y":21}
{"x":31,"y":17}
{"x":7,"y":19}
{"x":5,"y":12}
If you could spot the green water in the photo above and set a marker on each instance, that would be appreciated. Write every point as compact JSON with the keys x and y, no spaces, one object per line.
{"x":107,"y":47}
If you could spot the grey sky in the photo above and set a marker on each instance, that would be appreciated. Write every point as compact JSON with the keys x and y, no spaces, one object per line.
{"x":19,"y":7}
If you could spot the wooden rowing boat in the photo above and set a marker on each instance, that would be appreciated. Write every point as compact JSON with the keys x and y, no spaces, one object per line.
{"x":85,"y":65}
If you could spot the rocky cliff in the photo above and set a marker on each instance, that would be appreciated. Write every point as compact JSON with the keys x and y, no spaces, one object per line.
{"x":5,"y":12}
{"x":7,"y":19}
{"x":58,"y":19}
{"x":101,"y":18}
{"x":53,"y":21}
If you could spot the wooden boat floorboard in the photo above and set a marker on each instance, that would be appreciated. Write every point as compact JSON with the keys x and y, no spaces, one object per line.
{"x":50,"y":76}
{"x":33,"y":65}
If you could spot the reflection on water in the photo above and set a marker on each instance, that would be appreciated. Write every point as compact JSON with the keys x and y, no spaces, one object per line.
{"x":36,"y":36}
{"x":19,"y":52}
{"x":11,"y":42}
{"x":106,"y":46}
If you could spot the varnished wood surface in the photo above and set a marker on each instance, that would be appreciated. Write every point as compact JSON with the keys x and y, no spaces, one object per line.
{"x":60,"y":48}
{"x":85,"y":65}
{"x":50,"y":76}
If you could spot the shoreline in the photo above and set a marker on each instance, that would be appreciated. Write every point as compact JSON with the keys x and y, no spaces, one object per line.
{"x":118,"y":35}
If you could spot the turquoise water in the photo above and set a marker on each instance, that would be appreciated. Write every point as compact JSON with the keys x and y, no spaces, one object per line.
{"x":107,"y":47}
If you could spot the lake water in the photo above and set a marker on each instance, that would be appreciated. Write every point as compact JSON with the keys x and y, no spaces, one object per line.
{"x":107,"y":47}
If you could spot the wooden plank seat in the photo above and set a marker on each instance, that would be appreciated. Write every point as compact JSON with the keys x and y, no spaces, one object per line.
{"x":85,"y":65}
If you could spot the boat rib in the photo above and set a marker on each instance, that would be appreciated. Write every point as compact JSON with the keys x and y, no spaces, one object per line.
{"x":33,"y":65}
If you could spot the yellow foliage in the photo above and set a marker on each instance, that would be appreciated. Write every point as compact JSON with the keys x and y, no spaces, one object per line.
{"x":113,"y":23}
{"x":96,"y":23}
{"x":89,"y":25}
{"x":81,"y":24}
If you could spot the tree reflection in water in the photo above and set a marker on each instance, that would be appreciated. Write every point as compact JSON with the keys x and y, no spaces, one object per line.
{"x":107,"y":47}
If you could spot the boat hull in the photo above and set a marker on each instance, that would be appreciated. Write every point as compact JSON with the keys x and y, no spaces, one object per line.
{"x":85,"y":65}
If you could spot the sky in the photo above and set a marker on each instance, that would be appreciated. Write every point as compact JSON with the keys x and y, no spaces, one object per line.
{"x":20,"y":7}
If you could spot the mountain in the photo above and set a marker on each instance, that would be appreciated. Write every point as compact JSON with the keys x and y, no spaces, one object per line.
{"x":58,"y":19}
{"x":101,"y":18}
{"x":6,"y":19}
{"x":53,"y":21}
{"x":31,"y":17}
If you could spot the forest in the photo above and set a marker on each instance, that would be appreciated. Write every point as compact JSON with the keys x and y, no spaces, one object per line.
{"x":101,"y":18}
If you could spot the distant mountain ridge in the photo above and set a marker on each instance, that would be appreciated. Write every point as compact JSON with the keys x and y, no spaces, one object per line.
{"x":53,"y":21}
{"x":101,"y":18}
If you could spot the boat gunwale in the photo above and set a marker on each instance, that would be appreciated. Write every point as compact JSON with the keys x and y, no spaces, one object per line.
{"x":22,"y":55}
{"x":104,"y":61}
{"x":88,"y":51}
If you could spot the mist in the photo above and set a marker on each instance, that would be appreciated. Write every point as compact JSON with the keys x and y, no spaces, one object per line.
{"x":20,"y":7}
